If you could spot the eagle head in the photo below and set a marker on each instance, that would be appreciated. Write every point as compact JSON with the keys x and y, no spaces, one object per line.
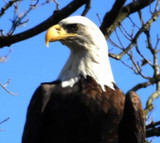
{"x":89,"y":51}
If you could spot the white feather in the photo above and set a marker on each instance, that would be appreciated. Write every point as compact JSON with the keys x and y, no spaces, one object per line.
{"x":89,"y":55}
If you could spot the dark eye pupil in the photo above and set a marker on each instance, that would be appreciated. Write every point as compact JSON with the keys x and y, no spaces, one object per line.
{"x":72,"y":27}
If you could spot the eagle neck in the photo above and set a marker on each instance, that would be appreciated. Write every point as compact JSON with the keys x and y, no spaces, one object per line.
{"x":94,"y":63}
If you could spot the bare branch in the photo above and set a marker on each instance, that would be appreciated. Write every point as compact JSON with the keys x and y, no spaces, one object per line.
{"x":5,"y":58}
{"x":145,"y":84}
{"x":153,"y":125}
{"x":149,"y":105}
{"x":111,"y":17}
{"x":18,"y":18}
{"x":8,"y":5}
{"x":57,"y":4}
{"x":124,"y":32}
{"x":4,"y":87}
{"x":55,"y":18}
{"x":156,"y":94}
{"x":157,"y":43}
{"x":134,"y":40}
{"x":100,"y":21}
{"x":112,"y":20}
{"x":5,"y":120}
{"x":143,"y":57}
{"x":153,"y":129}
{"x":114,"y":44}
{"x":157,"y":6}
{"x":119,"y":56}
{"x":140,"y":17}
{"x":136,"y":67}
{"x":134,"y":24}
{"x":87,"y":8}
{"x":119,"y":39}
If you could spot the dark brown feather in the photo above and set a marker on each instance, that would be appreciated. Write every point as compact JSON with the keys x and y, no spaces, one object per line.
{"x":81,"y":114}
{"x":132,"y":128}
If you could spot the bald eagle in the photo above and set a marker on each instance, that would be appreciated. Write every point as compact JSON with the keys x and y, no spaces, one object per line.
{"x":83,"y":105}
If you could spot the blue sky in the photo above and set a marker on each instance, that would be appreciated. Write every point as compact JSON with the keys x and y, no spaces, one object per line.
{"x":31,"y":63}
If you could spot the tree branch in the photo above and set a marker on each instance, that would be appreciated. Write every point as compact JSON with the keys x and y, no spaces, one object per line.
{"x":109,"y":23}
{"x":145,"y":27}
{"x":153,"y":129}
{"x":145,"y":84}
{"x":111,"y":16}
{"x":153,"y":132}
{"x":153,"y":125}
{"x":87,"y":8}
{"x":55,"y":18}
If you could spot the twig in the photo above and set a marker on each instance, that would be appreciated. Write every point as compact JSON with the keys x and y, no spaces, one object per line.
{"x":143,"y":57}
{"x":34,"y":5}
{"x":158,"y":39}
{"x":87,"y":8}
{"x":8,"y":5}
{"x":5,"y":58}
{"x":134,"y":24}
{"x":140,"y":17}
{"x":136,"y":68}
{"x":119,"y":40}
{"x":157,"y":5}
{"x":100,"y":21}
{"x":134,"y":40}
{"x":124,"y":32}
{"x":5,"y":120}
{"x":57,"y":4}
{"x":4,"y":87}
{"x":114,"y":44}
{"x":145,"y":84}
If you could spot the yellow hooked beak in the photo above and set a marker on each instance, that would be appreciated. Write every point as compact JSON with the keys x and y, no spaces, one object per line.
{"x":56,"y":33}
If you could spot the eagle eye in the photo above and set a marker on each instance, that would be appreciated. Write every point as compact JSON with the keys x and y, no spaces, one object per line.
{"x":72,"y":27}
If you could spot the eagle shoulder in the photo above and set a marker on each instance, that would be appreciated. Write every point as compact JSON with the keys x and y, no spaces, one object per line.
{"x":132,"y":127}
